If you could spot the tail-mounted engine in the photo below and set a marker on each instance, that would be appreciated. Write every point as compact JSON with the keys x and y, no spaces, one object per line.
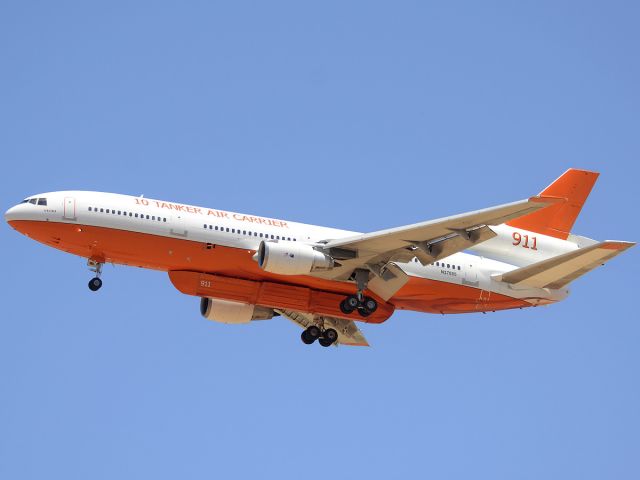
{"x":289,"y":258}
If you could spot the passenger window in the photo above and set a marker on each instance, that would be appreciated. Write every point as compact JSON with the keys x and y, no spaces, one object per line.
{"x":153,"y":217}
{"x":119,"y":212}
{"x":136,"y":215}
{"x":227,"y":229}
{"x":164,"y":219}
{"x":260,"y":235}
{"x":102,"y":210}
{"x":89,"y":208}
{"x":147,"y":217}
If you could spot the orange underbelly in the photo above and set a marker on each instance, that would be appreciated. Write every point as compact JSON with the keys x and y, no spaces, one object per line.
{"x":124,"y":247}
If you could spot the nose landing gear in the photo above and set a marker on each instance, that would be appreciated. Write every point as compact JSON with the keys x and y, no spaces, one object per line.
{"x":96,"y":282}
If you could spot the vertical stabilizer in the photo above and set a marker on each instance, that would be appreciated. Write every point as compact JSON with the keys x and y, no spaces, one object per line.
{"x":557,"y":220}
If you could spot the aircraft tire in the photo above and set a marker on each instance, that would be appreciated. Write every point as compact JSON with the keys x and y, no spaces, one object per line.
{"x":330,"y":335}
{"x":95,"y":284}
{"x":370,"y":305}
{"x":306,"y":338}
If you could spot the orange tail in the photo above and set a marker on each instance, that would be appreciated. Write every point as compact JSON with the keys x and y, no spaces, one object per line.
{"x":556,"y":221}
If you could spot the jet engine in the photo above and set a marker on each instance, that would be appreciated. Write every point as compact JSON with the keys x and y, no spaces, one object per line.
{"x":289,"y":258}
{"x":225,"y":311}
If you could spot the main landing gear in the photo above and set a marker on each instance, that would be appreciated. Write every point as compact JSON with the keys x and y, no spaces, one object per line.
{"x":326,"y":337}
{"x":96,"y":282}
{"x":365,"y":305}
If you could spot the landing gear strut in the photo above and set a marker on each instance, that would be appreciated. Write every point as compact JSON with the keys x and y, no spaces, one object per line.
{"x":326,"y":337}
{"x":96,"y":282}
{"x":365,"y":305}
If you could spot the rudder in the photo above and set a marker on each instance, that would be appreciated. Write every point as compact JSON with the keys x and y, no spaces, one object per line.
{"x":574,"y":186}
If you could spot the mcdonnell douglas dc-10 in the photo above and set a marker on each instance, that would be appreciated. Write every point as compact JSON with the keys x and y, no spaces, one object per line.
{"x":246,"y":267}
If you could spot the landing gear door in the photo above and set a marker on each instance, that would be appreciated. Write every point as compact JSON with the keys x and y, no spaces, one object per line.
{"x":70,"y":208}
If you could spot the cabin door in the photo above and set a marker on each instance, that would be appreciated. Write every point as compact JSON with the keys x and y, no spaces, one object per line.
{"x":179,"y":226}
{"x":69,"y":208}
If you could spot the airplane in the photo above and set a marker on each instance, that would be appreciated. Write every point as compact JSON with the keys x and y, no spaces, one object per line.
{"x":246,"y":267}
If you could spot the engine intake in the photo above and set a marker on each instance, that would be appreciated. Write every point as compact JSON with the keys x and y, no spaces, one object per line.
{"x":289,"y":258}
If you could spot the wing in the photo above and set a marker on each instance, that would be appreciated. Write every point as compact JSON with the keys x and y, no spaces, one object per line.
{"x":348,"y":333}
{"x":559,"y":271}
{"x":429,"y":241}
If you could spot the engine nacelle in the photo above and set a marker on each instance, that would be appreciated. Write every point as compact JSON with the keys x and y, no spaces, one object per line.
{"x":289,"y":258}
{"x":225,"y":311}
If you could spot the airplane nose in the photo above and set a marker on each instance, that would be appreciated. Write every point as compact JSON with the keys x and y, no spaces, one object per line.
{"x":11,"y":214}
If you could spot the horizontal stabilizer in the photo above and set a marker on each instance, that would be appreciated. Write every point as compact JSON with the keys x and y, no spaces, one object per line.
{"x":559,"y":271}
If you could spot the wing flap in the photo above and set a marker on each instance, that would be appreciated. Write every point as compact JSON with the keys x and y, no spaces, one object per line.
{"x":559,"y":271}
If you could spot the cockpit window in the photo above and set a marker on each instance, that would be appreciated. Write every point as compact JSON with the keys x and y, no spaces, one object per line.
{"x":35,"y":201}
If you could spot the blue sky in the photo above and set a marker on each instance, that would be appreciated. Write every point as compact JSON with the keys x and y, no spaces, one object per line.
{"x":355,"y":115}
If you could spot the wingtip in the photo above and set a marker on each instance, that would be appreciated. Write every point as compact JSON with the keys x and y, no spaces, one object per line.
{"x":617,"y":245}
